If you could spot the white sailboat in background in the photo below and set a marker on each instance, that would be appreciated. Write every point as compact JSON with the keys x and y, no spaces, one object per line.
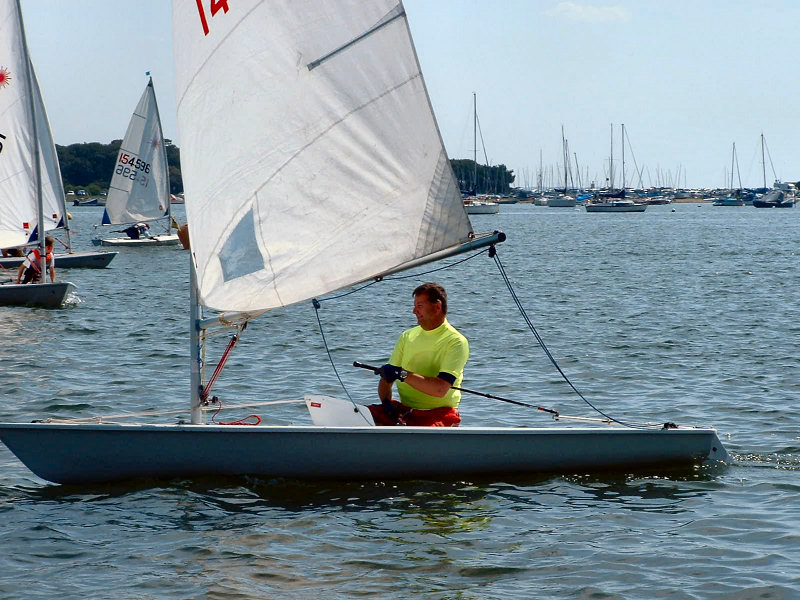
{"x":69,"y":258}
{"x":478,"y":205}
{"x":31,"y":191}
{"x":562,"y":199}
{"x":298,"y":102}
{"x":139,"y":189}
{"x":615,"y":201}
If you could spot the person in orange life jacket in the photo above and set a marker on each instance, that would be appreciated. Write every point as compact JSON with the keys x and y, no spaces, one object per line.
{"x":427,"y":362}
{"x":30,"y":269}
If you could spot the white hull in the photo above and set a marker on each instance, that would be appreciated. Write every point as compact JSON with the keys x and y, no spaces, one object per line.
{"x":483,"y":208}
{"x":156,"y":240}
{"x":85,"y":260}
{"x":42,"y":295}
{"x":79,"y":454}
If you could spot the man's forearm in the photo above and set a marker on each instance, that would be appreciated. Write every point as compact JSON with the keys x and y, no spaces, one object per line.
{"x":384,"y":390}
{"x":433,"y":386}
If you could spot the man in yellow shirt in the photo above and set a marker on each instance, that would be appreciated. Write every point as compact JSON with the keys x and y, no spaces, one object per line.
{"x":427,"y":362}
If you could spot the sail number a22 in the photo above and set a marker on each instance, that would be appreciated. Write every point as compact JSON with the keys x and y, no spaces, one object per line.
{"x":133,"y":168}
{"x":214,"y":7}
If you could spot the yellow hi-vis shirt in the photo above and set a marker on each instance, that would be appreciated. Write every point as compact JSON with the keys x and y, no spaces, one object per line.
{"x":428,"y":353}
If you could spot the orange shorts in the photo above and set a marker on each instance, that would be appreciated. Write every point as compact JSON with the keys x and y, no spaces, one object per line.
{"x":445,"y":416}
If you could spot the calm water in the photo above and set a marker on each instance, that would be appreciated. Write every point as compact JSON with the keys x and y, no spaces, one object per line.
{"x":686,"y":313}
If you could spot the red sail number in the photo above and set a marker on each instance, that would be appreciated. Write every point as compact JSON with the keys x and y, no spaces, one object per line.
{"x":215,"y":7}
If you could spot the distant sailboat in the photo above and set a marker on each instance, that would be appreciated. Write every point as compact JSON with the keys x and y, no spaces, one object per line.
{"x":780,"y":197}
{"x":562,"y":199}
{"x":735,"y":197}
{"x":139,"y":190}
{"x":474,"y":204}
{"x":615,"y":201}
{"x":31,"y":191}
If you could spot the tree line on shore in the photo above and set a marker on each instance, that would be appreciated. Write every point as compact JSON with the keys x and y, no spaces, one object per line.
{"x":89,"y":166}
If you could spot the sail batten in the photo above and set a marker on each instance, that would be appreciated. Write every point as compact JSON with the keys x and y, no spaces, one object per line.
{"x":394,"y":14}
{"x":300,"y":181}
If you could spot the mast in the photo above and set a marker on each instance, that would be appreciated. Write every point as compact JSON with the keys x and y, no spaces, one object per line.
{"x":611,"y":162}
{"x":163,"y":151}
{"x":541,"y":172}
{"x":763,"y":165}
{"x":622,"y":138}
{"x":733,"y":156}
{"x":474,"y":143}
{"x":738,"y":172}
{"x":194,"y":345}
{"x":566,"y":157}
{"x":37,"y":161}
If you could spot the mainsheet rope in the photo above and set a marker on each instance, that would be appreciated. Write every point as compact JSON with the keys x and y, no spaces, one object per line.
{"x":317,"y":304}
{"x":492,"y":250}
{"x":544,"y":347}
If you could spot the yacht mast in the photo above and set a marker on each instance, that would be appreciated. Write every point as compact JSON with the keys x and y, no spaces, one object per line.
{"x":474,"y":143}
{"x":611,"y":161}
{"x":622,"y":137}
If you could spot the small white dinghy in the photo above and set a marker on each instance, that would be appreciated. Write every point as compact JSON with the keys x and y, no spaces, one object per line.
{"x":280,"y":213}
{"x":156,"y":240}
{"x":139,"y":189}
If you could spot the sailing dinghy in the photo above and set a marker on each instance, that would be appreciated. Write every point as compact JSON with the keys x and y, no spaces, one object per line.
{"x":305,"y":141}
{"x":139,"y":189}
{"x":31,"y":191}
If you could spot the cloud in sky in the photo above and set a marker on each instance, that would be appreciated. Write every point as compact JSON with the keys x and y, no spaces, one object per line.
{"x":589,"y":13}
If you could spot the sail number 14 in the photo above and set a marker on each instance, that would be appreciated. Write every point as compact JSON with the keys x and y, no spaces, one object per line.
{"x":214,"y":7}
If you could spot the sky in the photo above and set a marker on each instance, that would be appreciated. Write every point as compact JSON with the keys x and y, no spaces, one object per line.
{"x":687,"y":78}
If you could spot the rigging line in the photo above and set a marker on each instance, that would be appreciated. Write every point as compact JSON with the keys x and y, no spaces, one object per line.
{"x":317,"y":303}
{"x":774,"y":175}
{"x":442,"y":268}
{"x":353,"y":291}
{"x":400,"y":277}
{"x":544,"y":346}
{"x":157,"y":413}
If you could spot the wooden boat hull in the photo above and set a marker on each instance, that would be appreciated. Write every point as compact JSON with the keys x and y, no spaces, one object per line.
{"x":42,"y":295}
{"x":75,"y":260}
{"x":80,"y":453}
{"x":156,"y":240}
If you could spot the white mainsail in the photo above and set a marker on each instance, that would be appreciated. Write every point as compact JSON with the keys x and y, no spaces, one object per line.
{"x":139,"y":189}
{"x":24,"y":134}
{"x":310,"y":155}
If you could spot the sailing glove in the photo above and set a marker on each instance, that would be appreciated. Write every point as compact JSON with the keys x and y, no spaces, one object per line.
{"x":391,"y":373}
